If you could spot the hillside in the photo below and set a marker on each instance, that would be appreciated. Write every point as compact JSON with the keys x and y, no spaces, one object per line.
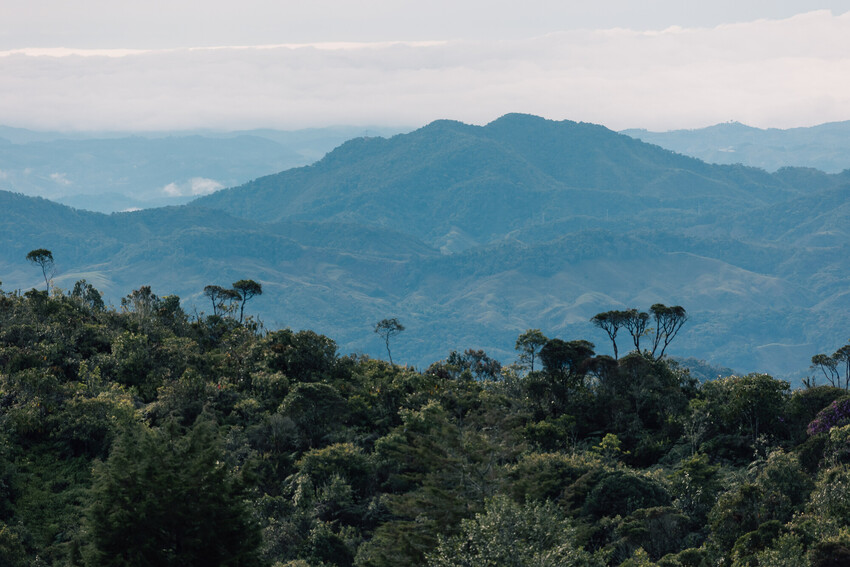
{"x":471,"y":235}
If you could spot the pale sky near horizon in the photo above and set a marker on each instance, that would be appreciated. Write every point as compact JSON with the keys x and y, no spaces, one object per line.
{"x":656,"y":64}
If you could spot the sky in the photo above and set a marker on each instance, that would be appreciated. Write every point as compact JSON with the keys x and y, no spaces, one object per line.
{"x":655,"y":64}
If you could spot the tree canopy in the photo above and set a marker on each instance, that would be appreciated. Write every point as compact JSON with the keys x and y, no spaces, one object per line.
{"x":145,"y":436}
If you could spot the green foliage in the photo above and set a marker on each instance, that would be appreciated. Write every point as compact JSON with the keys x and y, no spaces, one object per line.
{"x":621,"y":492}
{"x":298,"y":454}
{"x":545,"y":476}
{"x":165,"y":498}
{"x":750,"y":405}
{"x":529,"y":344}
{"x":304,"y":356}
{"x":694,"y":484}
{"x":510,"y":534}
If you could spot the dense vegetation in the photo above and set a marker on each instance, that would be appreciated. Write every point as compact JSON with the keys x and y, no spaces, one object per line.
{"x":146,"y":436}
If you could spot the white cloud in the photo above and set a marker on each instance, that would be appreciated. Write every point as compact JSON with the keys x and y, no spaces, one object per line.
{"x":172,"y":190}
{"x":194,"y":187}
{"x":60,"y":178}
{"x":203,"y":186}
{"x":780,"y":73}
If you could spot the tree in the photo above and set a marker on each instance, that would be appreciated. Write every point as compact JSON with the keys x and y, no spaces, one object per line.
{"x":829,"y":366}
{"x":610,"y":322}
{"x":167,"y":498}
{"x":515,"y":535}
{"x":668,"y":321}
{"x":565,"y":359}
{"x":842,"y":355}
{"x":635,"y":323}
{"x":529,"y":344}
{"x":388,"y":328}
{"x":219,"y":295}
{"x":86,"y":293}
{"x":43,"y":258}
{"x":246,"y":290}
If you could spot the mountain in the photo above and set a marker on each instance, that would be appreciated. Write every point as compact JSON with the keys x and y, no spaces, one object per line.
{"x":519,"y":171}
{"x":825,"y":147}
{"x":471,"y":235}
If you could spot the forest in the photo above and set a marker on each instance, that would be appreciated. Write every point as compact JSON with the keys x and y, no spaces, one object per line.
{"x":146,"y":435}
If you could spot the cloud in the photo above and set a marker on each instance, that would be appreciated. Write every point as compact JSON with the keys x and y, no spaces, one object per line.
{"x":194,"y":187}
{"x":779,"y":73}
{"x":60,"y":178}
{"x":172,"y":190}
{"x":203,"y":186}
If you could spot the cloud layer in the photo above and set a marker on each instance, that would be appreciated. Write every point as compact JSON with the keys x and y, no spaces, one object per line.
{"x":778,"y":73}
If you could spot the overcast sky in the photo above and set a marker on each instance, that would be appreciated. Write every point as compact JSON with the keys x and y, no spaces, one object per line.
{"x":657,"y":64}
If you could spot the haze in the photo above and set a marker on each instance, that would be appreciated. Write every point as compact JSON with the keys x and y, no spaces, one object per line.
{"x":656,"y":65}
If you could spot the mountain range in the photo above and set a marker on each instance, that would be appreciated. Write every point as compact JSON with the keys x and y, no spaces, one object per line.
{"x":825,"y":147}
{"x":472,"y":234}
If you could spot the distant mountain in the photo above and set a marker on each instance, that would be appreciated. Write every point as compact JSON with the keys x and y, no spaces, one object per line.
{"x":482,"y":183}
{"x":825,"y":147}
{"x":471,"y":235}
{"x":116,"y":171}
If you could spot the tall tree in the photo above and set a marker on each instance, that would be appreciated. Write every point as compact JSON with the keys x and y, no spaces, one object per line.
{"x":829,"y":366}
{"x":219,"y":296}
{"x":43,"y":258}
{"x":668,"y":321}
{"x":529,"y":344}
{"x":635,"y":323}
{"x":388,"y":328}
{"x":842,"y":355}
{"x":246,"y":289}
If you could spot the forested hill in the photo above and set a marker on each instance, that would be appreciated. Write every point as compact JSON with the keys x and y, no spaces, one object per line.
{"x":471,"y":234}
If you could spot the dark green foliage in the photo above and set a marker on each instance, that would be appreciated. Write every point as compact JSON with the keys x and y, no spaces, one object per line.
{"x":317,"y":410}
{"x":746,"y":547}
{"x":830,"y":554}
{"x":303,"y":356}
{"x":694,"y":484}
{"x":164,"y":497}
{"x":621,"y":493}
{"x":213,"y":443}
